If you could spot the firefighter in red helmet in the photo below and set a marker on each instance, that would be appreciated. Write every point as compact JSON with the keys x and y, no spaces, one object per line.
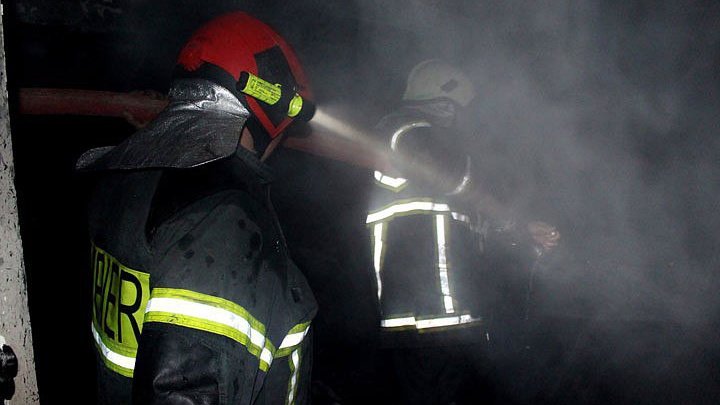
{"x":195,"y":298}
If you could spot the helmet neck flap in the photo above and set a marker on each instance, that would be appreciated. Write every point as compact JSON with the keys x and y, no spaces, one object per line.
{"x":215,"y":74}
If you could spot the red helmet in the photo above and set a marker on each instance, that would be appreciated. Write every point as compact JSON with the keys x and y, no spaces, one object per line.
{"x":237,"y":42}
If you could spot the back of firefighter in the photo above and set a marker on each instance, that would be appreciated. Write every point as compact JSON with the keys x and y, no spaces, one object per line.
{"x":426,"y":244}
{"x":195,"y":298}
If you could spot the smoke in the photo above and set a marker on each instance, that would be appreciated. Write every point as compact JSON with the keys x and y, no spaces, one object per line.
{"x":599,"y":117}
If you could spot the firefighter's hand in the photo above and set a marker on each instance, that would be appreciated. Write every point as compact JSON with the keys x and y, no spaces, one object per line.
{"x":544,"y":235}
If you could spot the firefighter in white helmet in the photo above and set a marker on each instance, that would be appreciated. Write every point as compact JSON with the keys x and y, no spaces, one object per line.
{"x":426,"y":241}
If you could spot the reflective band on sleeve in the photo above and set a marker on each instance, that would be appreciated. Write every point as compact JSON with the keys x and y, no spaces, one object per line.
{"x":378,"y":244}
{"x":406,"y":208}
{"x":293,"y":339}
{"x":211,"y":314}
{"x":403,"y":130}
{"x":124,"y":365}
{"x":392,"y":183}
{"x":266,"y":358}
{"x":441,"y":225}
{"x":428,"y":323}
{"x":465,"y":180}
{"x":296,"y":336}
{"x":294,"y":362}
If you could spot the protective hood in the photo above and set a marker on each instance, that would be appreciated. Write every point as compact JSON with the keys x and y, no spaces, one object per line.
{"x":201,"y":124}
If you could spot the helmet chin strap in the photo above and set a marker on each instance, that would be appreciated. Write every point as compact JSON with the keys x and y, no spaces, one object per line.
{"x":260,"y":137}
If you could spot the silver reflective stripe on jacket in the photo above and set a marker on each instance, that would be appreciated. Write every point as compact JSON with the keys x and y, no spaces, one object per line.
{"x":397,"y":135}
{"x":428,"y":323}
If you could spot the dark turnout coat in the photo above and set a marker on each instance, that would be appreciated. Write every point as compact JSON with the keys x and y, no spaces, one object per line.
{"x":425,"y":245}
{"x":195,"y":297}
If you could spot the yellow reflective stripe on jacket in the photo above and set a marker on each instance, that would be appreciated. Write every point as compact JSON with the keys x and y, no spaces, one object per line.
{"x":211,"y":314}
{"x":121,"y":364}
{"x":294,"y":363}
{"x":119,"y":298}
{"x":120,"y":295}
{"x":293,"y":339}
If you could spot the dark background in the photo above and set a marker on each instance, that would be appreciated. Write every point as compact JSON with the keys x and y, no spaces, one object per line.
{"x":601,"y":117}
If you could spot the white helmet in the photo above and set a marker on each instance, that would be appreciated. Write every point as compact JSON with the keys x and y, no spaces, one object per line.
{"x":434,"y":78}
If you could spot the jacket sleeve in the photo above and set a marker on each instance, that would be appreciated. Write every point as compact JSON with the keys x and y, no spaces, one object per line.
{"x":428,"y":155}
{"x":205,"y":333}
{"x":180,"y":366}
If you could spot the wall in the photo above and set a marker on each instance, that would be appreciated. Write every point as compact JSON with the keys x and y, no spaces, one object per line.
{"x":14,"y":316}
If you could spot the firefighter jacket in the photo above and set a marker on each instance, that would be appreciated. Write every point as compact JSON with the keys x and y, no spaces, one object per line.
{"x":195,"y":299}
{"x":425,"y":250}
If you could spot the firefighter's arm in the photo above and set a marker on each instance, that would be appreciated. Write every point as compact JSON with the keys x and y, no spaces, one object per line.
{"x":204,"y":338}
{"x":179,"y":365}
{"x":431,"y":156}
